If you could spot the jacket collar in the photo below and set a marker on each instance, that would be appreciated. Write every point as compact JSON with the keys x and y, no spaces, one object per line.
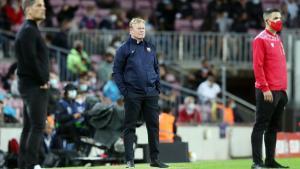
{"x":134,"y":41}
{"x":32,"y":22}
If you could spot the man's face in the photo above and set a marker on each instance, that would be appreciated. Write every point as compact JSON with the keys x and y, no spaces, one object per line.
{"x":137,"y":31}
{"x":211,"y":80}
{"x":37,"y":11}
{"x":109,"y":58}
{"x":274,"y":17}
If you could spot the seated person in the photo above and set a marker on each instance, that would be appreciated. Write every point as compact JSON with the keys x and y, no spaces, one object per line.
{"x":68,"y":117}
{"x":189,"y":112}
{"x":50,"y":143}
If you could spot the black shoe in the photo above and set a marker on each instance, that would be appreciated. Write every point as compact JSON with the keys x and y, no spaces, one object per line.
{"x":257,"y":166}
{"x":130,"y":164}
{"x":274,"y":164}
{"x":157,"y":163}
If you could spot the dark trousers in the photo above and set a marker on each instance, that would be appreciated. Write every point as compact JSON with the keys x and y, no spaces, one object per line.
{"x":148,"y":105}
{"x":34,"y":117}
{"x":267,"y":123}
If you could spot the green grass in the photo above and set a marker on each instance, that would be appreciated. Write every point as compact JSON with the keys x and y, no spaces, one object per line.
{"x":294,"y":163}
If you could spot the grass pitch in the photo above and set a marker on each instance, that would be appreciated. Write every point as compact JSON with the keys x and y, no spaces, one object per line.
{"x":294,"y":163}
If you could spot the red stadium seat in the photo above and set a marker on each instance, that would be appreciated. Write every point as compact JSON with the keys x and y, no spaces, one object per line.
{"x":126,"y":4}
{"x":72,"y":2}
{"x":86,"y":3}
{"x":183,"y":25}
{"x":80,"y":12}
{"x":102,"y":12}
{"x":56,"y":3}
{"x":197,"y":23}
{"x":143,"y":4}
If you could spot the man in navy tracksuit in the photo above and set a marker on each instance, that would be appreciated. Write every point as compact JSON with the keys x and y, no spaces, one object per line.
{"x":136,"y":73}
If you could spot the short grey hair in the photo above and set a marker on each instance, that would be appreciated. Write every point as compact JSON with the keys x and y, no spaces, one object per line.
{"x":136,"y":21}
{"x":27,"y":3}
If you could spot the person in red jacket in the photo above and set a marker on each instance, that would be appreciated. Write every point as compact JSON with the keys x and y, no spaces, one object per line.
{"x":269,"y":64}
{"x":13,"y":12}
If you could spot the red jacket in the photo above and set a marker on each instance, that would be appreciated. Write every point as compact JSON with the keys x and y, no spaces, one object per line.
{"x":184,"y":117}
{"x":15,"y":17}
{"x":269,"y":62}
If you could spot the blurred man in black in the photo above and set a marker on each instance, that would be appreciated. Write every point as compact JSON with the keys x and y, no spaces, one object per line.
{"x":33,"y":75}
{"x":136,"y":73}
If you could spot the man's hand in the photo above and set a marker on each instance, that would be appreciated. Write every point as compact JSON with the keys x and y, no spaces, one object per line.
{"x":268,"y":97}
{"x":77,"y":115}
{"x":45,"y":86}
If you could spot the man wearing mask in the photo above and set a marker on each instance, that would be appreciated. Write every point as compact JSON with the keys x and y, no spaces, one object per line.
{"x":78,"y":61}
{"x":68,"y":116}
{"x":33,"y":74}
{"x":105,"y":68}
{"x":269,"y":64}
{"x":136,"y":73}
{"x":189,"y":112}
{"x":54,"y":94}
{"x":208,"y":90}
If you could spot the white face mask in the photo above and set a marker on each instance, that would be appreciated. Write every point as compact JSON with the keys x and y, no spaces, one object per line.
{"x":256,"y":1}
{"x":54,"y":83}
{"x":190,"y":108}
{"x":93,"y":80}
{"x":83,"y":87}
{"x":233,"y":105}
{"x":80,"y":100}
{"x":72,"y":94}
{"x":113,"y":18}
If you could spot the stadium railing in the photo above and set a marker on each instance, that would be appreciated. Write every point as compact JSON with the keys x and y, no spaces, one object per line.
{"x":180,"y":47}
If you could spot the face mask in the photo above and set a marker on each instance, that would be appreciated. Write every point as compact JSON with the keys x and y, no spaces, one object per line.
{"x":233,"y":105}
{"x":79,"y":48}
{"x":276,"y":26}
{"x":72,"y":94}
{"x":255,"y":1}
{"x":190,"y":108}
{"x":94,"y":80}
{"x":83,"y":87}
{"x":80,"y":100}
{"x":113,"y":18}
{"x":54,"y":83}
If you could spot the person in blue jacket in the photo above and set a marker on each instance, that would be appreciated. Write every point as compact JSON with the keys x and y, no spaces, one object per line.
{"x":136,"y":73}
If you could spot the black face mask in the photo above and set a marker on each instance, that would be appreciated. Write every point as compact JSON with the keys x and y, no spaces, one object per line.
{"x":79,"y":49}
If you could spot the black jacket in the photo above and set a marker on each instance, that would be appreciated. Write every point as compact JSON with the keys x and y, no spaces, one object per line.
{"x":32,"y":55}
{"x":136,"y":68}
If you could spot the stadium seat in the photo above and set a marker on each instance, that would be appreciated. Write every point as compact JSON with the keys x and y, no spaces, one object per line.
{"x":80,"y":12}
{"x":143,"y":4}
{"x":126,"y":4}
{"x":102,"y":12}
{"x":56,"y":9}
{"x":183,"y":25}
{"x":85,"y":3}
{"x":197,"y":23}
{"x":55,"y":3}
{"x":72,"y":2}
{"x":4,"y":68}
